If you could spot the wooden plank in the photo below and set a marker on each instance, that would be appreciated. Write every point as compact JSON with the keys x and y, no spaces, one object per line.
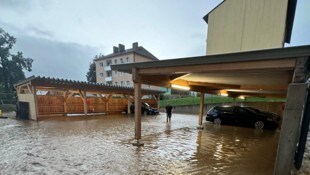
{"x":137,"y":98}
{"x":201,"y":106}
{"x":34,"y":92}
{"x":287,"y":64}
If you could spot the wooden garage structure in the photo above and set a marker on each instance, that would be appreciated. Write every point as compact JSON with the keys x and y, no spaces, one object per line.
{"x":280,"y":72}
{"x":47,"y":97}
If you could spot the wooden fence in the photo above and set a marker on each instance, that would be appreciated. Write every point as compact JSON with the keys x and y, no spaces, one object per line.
{"x":49,"y":105}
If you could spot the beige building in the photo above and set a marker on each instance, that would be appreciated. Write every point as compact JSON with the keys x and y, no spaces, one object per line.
{"x":121,"y":55}
{"x":243,"y":25}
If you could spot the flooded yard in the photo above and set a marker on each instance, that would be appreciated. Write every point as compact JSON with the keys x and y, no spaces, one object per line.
{"x":103,"y":145}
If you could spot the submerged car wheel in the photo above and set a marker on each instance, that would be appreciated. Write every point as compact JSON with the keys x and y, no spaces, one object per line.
{"x":259,"y":125}
{"x":217,"y":121}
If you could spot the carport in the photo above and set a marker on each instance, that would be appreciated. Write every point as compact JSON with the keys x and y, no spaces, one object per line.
{"x":280,"y":72}
{"x":50,"y":97}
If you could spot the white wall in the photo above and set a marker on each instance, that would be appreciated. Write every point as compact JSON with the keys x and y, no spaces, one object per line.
{"x":30,"y":99}
{"x":242,"y":25}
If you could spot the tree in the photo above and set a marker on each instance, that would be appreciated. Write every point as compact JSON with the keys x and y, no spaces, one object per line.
{"x":91,"y":74}
{"x":11,"y":65}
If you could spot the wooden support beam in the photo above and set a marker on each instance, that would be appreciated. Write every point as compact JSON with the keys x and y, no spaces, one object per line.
{"x":65,"y":97}
{"x":157,"y":98}
{"x":84,"y":98}
{"x":157,"y":80}
{"x":29,"y":88}
{"x":127,"y":96}
{"x":137,"y":98}
{"x":202,"y":98}
{"x":205,"y":84}
{"x":36,"y":107}
{"x":288,"y":64}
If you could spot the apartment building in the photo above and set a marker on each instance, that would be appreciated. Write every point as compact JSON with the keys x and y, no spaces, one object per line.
{"x":121,"y":55}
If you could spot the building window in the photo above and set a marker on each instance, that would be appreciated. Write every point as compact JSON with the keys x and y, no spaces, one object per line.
{"x":109,"y":74}
{"x":128,"y":83}
{"x":115,"y":83}
{"x":122,"y":61}
{"x":100,"y":75}
{"x":127,"y":60}
{"x":115,"y":61}
{"x":109,"y":62}
{"x":122,"y":83}
{"x":101,"y":64}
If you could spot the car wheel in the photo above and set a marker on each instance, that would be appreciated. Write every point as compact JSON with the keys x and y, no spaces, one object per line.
{"x":259,"y":124}
{"x":217,"y":121}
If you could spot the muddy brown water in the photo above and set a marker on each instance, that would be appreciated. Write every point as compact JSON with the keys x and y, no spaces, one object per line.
{"x":103,"y":145}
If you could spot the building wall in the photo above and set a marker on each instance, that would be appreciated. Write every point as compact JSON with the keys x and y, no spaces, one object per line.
{"x":119,"y":77}
{"x":115,"y":75}
{"x":242,"y":25}
{"x":30,"y":99}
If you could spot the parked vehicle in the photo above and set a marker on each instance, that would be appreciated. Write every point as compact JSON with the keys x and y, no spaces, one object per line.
{"x":243,"y":116}
{"x":145,"y":109}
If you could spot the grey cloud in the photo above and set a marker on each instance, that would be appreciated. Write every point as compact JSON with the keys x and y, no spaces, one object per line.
{"x":56,"y":59}
{"x":39,"y":32}
{"x":19,"y":6}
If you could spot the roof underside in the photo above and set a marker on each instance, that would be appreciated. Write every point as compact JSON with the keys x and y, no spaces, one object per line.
{"x":263,"y":73}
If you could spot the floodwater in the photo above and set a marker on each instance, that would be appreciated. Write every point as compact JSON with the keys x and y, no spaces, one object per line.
{"x":103,"y":145}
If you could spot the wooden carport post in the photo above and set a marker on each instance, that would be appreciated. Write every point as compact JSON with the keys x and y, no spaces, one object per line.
{"x":66,"y":96}
{"x":128,"y":103}
{"x":295,"y":101}
{"x":157,"y":98}
{"x":35,"y":97}
{"x":106,"y":100}
{"x":137,"y":98}
{"x":84,"y":98}
{"x":202,"y":99}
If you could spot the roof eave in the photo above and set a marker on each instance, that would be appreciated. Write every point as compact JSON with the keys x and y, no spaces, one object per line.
{"x":268,"y":54}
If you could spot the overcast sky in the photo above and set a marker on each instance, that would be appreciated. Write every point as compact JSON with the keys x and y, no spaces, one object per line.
{"x":63,"y":36}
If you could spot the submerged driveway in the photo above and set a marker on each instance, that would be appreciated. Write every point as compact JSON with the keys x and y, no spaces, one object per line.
{"x":102,"y":145}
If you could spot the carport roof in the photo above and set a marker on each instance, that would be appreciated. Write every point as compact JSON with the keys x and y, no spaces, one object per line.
{"x":253,"y":73}
{"x":64,"y":84}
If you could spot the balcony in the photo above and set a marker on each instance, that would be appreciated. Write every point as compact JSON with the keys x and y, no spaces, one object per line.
{"x":107,"y":68}
{"x":108,"y":79}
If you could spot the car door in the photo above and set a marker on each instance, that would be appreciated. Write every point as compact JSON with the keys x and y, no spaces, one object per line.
{"x":227,"y":115}
{"x":240,"y":116}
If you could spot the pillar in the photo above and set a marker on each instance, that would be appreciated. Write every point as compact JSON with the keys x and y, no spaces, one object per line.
{"x":158,"y":101}
{"x":202,"y":97}
{"x":36,"y":107}
{"x":295,"y":100}
{"x":137,"y":99}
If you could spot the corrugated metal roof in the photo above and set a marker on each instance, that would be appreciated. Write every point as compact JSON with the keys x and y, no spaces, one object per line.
{"x":80,"y":85}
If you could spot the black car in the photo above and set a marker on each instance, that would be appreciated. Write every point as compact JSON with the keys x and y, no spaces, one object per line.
{"x":243,"y":116}
{"x":145,"y":109}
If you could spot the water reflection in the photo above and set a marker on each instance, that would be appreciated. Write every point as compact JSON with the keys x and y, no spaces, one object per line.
{"x":102,"y":145}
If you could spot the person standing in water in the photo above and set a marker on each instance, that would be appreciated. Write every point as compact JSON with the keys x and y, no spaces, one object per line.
{"x":169,"y":112}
